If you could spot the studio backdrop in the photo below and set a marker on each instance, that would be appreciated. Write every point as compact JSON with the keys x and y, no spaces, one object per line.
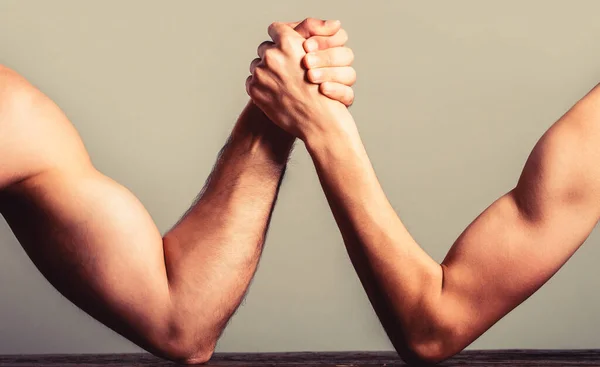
{"x":450,"y":99}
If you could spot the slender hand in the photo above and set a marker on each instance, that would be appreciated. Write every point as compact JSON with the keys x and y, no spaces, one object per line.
{"x":95,"y":242}
{"x":429,"y":310}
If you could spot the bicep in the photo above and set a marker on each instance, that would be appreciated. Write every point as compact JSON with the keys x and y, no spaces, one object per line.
{"x":523,"y":238}
{"x":94,"y":241}
{"x":89,"y":236}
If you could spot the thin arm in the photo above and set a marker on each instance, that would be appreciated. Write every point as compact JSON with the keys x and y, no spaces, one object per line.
{"x":432,"y":311}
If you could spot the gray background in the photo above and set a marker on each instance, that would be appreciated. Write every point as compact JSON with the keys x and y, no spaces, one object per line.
{"x":451,"y":98}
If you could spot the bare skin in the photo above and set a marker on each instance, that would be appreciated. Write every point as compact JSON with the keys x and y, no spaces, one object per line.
{"x":432,"y":311}
{"x":95,"y":242}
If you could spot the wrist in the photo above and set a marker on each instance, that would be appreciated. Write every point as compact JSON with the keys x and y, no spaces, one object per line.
{"x":257,"y":135}
{"x":340,"y":133}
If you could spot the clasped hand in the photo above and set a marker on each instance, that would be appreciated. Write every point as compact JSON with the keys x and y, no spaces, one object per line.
{"x":303,"y":78}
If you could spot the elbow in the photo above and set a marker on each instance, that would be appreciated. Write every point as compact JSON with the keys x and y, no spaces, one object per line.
{"x":184,"y":348}
{"x":441,"y":341}
{"x":182,"y":354}
{"x":427,"y":353}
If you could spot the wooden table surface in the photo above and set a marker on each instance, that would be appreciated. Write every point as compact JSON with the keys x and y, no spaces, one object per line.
{"x":337,"y":359}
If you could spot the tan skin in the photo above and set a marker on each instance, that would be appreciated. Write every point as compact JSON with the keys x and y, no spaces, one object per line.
{"x":432,"y":311}
{"x":95,"y":242}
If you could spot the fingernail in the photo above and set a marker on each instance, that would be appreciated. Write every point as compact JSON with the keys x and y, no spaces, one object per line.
{"x":332,"y":23}
{"x":311,"y":45}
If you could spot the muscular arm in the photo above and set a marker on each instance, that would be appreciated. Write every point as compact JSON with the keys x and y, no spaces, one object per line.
{"x":432,"y":311}
{"x":95,"y":242}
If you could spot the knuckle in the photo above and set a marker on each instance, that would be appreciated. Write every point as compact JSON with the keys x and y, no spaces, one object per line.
{"x":248,"y":84}
{"x":311,"y":22}
{"x":273,"y":26}
{"x":329,"y":89}
{"x":327,"y":42}
{"x":253,"y":91}
{"x":286,"y":42}
{"x":353,"y":76}
{"x":343,"y":35}
{"x":258,"y":77}
{"x":253,"y":65}
{"x":350,"y":97}
{"x":261,"y":48}
{"x":272,"y":59}
{"x":254,"y":94}
{"x":251,"y":81}
{"x":349,"y":54}
{"x":312,"y":75}
{"x":330,"y":59}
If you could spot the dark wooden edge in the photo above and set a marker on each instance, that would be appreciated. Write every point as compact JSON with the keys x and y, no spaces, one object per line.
{"x":314,"y":358}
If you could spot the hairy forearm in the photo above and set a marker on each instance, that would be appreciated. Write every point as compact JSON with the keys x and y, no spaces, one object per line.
{"x":212,"y":253}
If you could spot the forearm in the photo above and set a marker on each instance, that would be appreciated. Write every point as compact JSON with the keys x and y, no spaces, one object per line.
{"x":505,"y":255}
{"x":212,"y":253}
{"x":398,"y":276}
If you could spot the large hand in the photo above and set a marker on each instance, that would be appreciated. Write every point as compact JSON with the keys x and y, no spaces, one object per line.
{"x":279,"y":86}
